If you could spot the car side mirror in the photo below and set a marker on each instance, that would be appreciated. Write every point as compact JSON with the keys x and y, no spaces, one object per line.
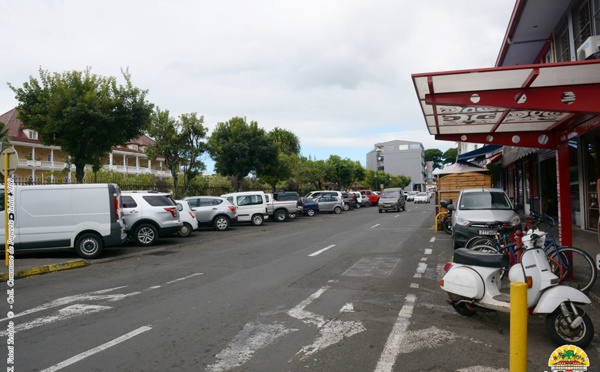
{"x":451,"y":207}
{"x":519,"y":208}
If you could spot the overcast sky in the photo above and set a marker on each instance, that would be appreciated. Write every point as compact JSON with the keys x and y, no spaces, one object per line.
{"x":336,"y":73}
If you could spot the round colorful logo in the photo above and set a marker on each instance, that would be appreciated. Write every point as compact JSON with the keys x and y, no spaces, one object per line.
{"x":569,"y":358}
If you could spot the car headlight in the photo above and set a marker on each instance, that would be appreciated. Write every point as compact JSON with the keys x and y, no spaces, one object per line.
{"x":515,"y":221}
{"x":462,"y":221}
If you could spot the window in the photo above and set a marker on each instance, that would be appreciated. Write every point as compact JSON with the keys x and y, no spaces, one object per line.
{"x":484,"y":200}
{"x":249,"y":200}
{"x":403,"y":147}
{"x":159,"y":200}
{"x":31,"y":134}
{"x":415,"y":147}
{"x":562,"y":43}
{"x":582,"y":23}
{"x":128,"y":202}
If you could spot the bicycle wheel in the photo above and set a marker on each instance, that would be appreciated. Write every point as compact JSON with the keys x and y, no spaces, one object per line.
{"x":479,"y":240}
{"x":574,"y":267}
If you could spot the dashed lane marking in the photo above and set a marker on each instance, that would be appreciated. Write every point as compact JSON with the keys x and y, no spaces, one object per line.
{"x":321,"y":251}
{"x":396,"y":337}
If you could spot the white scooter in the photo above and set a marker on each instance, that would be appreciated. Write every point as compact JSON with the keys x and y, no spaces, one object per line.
{"x":473,"y":282}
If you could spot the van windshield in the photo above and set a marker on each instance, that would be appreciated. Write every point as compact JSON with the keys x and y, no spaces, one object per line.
{"x":484,"y":200}
{"x":390,"y":194}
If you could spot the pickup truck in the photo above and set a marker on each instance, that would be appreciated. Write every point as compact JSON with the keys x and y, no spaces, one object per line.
{"x":373,"y":198}
{"x":282,"y":205}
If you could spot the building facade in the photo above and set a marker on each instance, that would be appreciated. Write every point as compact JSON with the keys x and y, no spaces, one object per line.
{"x":49,"y":163}
{"x":400,"y":158}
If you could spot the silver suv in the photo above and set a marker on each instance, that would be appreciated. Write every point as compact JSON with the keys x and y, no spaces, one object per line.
{"x":213,"y":211}
{"x":148,"y":215}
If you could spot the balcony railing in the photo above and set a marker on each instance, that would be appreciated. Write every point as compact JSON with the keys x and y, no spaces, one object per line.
{"x":61,"y":165}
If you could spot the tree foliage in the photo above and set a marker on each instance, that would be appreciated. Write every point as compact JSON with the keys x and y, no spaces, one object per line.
{"x":181,"y":142}
{"x":450,"y":156}
{"x":288,"y":147}
{"x":436,"y":156}
{"x":83,"y":113}
{"x":239,"y":148}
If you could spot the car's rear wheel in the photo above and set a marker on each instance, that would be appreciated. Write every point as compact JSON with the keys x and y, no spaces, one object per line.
{"x":185,"y":230}
{"x":346,"y":206}
{"x":280,"y":215}
{"x":337,"y":210}
{"x":310,"y":212}
{"x":145,"y":235}
{"x":89,"y":245}
{"x":257,"y":220}
{"x":221,"y":223}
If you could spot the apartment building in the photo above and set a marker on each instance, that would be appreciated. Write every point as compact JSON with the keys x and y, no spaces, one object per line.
{"x":400,"y":158}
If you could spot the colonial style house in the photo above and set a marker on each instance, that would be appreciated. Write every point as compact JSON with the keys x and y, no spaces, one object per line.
{"x":41,"y":162}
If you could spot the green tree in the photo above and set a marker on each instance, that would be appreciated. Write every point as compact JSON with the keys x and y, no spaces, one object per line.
{"x":180,"y":142}
{"x":400,"y":181}
{"x":239,"y":148}
{"x":288,"y":147}
{"x":83,"y":113}
{"x":450,"y":156}
{"x":287,"y":142}
{"x":314,"y":172}
{"x":340,"y":171}
{"x":436,"y":156}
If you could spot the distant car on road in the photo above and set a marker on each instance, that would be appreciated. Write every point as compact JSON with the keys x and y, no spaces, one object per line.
{"x":410,"y":196}
{"x":392,"y":199}
{"x":421,"y":197}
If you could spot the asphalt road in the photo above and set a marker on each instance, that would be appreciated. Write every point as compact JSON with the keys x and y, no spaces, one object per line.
{"x":352,"y":292}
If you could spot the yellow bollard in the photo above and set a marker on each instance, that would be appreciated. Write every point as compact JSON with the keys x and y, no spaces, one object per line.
{"x":518,"y":327}
{"x":437,"y":218}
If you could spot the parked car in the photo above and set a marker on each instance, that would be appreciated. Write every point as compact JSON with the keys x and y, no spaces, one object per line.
{"x":316,"y":194}
{"x":421,"y":197}
{"x":331,"y":204}
{"x":309,"y":206}
{"x":251,"y":206}
{"x":150,"y":215}
{"x":349,"y":200}
{"x":392,"y":199}
{"x":373,"y":197}
{"x":86,"y":217}
{"x":410,"y":196}
{"x":476,"y":207}
{"x":282,"y":205}
{"x":213,"y":211}
{"x":189,"y":223}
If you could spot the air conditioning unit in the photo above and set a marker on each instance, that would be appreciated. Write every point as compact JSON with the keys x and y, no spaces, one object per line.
{"x":590,"y":46}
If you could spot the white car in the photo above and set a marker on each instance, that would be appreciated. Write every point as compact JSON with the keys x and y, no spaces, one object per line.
{"x":421,"y":197}
{"x":188,"y":217}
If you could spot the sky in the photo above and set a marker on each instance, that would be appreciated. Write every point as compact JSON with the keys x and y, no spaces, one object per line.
{"x":335,"y":73}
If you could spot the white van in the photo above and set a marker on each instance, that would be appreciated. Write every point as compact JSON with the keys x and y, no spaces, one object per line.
{"x":251,"y":206}
{"x":86,"y":217}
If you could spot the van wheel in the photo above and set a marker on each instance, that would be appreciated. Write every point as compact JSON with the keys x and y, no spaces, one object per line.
{"x":185,"y":230}
{"x":145,"y":235}
{"x":257,"y":220}
{"x":89,"y":245}
{"x":280,"y":215}
{"x":221,"y":223}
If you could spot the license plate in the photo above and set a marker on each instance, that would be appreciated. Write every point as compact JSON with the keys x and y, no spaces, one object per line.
{"x":486,"y":232}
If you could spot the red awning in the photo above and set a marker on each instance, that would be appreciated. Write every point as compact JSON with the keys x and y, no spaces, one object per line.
{"x":533,"y":106}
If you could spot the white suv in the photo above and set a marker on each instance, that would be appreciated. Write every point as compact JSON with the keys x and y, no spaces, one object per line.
{"x":148,"y":215}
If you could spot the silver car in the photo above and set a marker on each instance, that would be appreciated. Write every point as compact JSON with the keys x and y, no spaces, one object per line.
{"x":475,"y":208}
{"x":148,"y":215}
{"x":331,"y":204}
{"x":213,"y":211}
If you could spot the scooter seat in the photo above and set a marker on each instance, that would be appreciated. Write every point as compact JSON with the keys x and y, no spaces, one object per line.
{"x":475,"y":258}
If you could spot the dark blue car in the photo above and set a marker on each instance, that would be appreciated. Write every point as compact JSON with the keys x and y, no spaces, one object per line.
{"x":309,"y":207}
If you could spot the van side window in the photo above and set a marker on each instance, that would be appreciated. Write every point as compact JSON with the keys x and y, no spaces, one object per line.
{"x":128,"y":202}
{"x":249,"y":200}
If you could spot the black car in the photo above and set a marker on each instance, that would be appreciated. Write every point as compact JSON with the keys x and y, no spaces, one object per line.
{"x":349,"y":200}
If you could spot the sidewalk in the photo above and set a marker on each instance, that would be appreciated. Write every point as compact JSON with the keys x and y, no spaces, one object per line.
{"x":588,"y":241}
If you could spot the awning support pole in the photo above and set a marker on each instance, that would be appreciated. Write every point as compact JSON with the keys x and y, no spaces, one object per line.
{"x":564,"y":195}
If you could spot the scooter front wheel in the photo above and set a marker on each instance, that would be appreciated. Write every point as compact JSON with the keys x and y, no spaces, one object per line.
{"x":559,"y":330}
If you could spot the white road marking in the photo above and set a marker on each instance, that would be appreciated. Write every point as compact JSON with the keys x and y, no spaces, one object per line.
{"x":321,"y":251}
{"x":90,"y":296}
{"x":396,"y":337}
{"x":347,"y":308}
{"x":414,"y":285}
{"x":250,"y":339}
{"x":372,"y":266}
{"x":432,"y":240}
{"x":154,"y":287}
{"x":425,"y":338}
{"x":298,"y":311}
{"x":62,"y":314}
{"x":417,"y":276}
{"x":374,"y":226}
{"x":423,"y":259}
{"x":397,"y":216}
{"x":421,"y":268}
{"x":184,"y":278}
{"x":428,"y":250}
{"x":98,"y":349}
{"x":332,"y":332}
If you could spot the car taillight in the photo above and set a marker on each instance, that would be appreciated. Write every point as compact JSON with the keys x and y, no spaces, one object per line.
{"x":232,"y":208}
{"x":116,"y":204}
{"x":191,"y":214}
{"x":173,"y":211}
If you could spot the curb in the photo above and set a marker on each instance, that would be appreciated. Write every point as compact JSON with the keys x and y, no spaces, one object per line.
{"x":45,"y":269}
